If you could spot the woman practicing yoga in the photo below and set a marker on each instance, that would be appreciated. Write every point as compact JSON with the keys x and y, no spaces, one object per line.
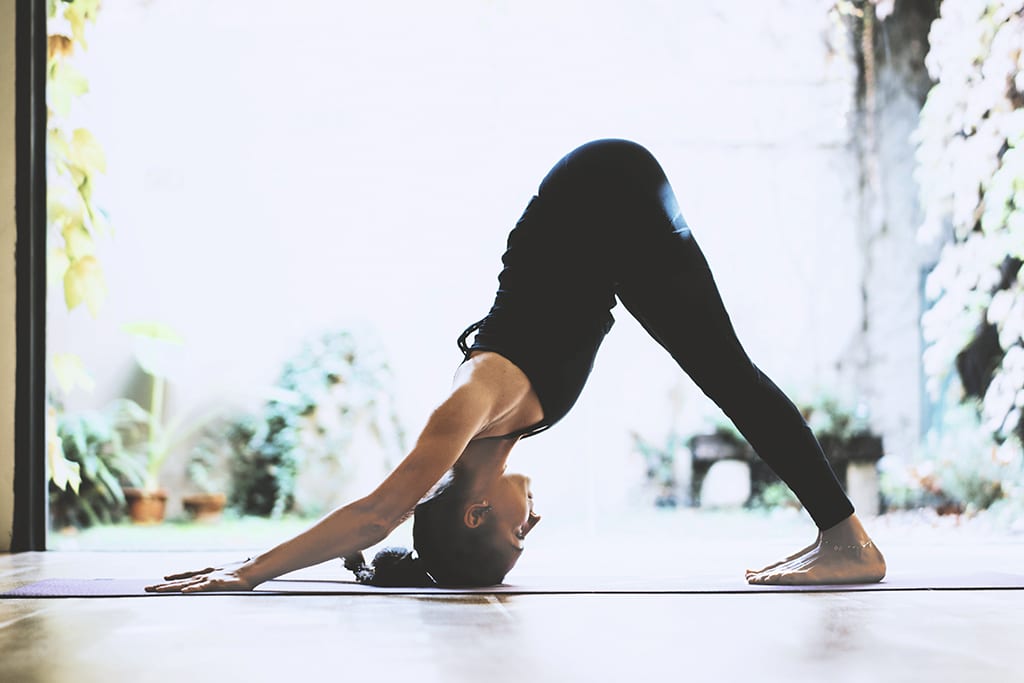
{"x":604,"y":224}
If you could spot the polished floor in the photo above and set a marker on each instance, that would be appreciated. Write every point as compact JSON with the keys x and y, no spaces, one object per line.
{"x":915,"y":636}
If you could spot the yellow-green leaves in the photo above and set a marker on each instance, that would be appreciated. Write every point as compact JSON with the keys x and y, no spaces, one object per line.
{"x":84,"y":282}
{"x":65,"y":83}
{"x":154,"y":331}
{"x":86,"y":153}
{"x":57,"y":263}
{"x":63,"y":472}
{"x":72,"y":218}
{"x":72,"y":164}
{"x":155,"y":345}
{"x":74,"y":161}
{"x":71,"y":258}
{"x":77,"y":13}
{"x":71,"y":373}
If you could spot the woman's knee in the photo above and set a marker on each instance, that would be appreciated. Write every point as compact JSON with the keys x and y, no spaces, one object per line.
{"x":607,"y":164}
{"x":612,"y":152}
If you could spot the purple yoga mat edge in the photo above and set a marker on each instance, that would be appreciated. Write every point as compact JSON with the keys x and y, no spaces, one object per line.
{"x":109,"y":588}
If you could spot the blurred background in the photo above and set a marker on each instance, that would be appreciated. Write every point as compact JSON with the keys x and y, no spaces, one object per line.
{"x":270,"y":223}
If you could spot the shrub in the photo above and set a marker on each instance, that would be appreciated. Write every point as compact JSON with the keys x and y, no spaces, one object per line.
{"x":108,"y":448}
{"x":335,"y":386}
{"x":959,"y":468}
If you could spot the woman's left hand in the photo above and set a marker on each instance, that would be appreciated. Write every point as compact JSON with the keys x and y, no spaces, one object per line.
{"x":226,"y":578}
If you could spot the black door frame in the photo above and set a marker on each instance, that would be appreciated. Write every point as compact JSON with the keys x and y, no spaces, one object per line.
{"x":30,"y":479}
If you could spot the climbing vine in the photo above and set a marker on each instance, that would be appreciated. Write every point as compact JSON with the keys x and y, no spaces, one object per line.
{"x":73,"y":160}
{"x":970,"y":167}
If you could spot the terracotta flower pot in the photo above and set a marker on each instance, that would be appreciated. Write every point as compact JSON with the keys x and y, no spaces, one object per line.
{"x":146,"y":507}
{"x":205,"y":507}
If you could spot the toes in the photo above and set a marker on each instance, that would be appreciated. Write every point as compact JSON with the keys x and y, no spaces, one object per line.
{"x":760,"y":579}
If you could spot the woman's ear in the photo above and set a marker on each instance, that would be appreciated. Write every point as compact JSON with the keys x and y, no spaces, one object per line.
{"x":476,"y":514}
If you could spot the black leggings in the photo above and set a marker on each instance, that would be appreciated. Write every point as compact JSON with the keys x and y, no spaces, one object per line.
{"x":605,"y":224}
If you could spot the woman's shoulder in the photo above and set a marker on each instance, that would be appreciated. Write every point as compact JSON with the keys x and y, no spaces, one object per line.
{"x":489,"y":379}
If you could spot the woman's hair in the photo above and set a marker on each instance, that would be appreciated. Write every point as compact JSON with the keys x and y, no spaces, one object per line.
{"x":447,"y":552}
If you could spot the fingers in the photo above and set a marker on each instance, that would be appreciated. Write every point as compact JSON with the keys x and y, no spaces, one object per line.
{"x":201,"y":586}
{"x":197,"y":584}
{"x":186,"y":575}
{"x":172,"y":586}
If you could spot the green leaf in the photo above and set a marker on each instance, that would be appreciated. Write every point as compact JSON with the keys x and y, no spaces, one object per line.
{"x":84,"y":282}
{"x":86,"y":152}
{"x":57,"y":263}
{"x":76,"y":18}
{"x":63,"y":472}
{"x":90,"y":463}
{"x":83,"y":186}
{"x":78,"y":438}
{"x":155,"y":331}
{"x":113,"y":487}
{"x":64,"y":203}
{"x":56,"y":144}
{"x":90,"y":512}
{"x":126,"y":412}
{"x":78,"y":242}
{"x":71,"y":373}
{"x":64,"y":84}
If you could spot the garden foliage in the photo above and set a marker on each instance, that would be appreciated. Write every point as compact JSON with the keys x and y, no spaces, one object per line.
{"x":107,"y":450}
{"x":971,"y":172}
{"x":73,"y":161}
{"x":334,"y":387}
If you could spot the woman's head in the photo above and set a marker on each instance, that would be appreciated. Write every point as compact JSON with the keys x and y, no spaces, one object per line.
{"x":462,"y":537}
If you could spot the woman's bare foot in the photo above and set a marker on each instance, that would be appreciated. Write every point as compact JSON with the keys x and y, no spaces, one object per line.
{"x":795,"y":555}
{"x":841,"y":554}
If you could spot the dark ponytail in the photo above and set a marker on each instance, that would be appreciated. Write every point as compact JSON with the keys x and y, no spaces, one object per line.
{"x":391,"y":568}
{"x":448,"y":553}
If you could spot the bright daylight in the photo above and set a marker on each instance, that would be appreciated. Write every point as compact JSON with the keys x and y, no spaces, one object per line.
{"x":268,"y":225}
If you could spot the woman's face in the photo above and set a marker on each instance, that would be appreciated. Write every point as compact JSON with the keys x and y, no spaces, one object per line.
{"x":511,"y":503}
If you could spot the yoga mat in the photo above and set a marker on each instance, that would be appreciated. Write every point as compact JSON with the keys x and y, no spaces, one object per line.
{"x":118,"y":588}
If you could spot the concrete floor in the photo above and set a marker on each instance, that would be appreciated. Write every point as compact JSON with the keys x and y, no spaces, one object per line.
{"x":961,"y":636}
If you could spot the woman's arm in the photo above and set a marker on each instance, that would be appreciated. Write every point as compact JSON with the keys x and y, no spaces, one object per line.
{"x":367,"y":521}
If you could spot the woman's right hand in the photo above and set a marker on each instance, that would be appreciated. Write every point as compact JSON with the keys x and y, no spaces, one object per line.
{"x":230,"y":577}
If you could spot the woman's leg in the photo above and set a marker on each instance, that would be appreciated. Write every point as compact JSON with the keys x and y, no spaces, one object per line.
{"x":688,"y":319}
{"x":663,"y":279}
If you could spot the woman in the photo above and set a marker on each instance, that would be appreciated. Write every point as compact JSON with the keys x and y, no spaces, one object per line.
{"x":604,"y":224}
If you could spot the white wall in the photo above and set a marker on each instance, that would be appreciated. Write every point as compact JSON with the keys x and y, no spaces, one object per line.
{"x":7,"y":287}
{"x":277,"y":171}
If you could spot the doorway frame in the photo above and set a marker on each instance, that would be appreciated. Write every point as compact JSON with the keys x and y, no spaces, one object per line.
{"x":30,"y":478}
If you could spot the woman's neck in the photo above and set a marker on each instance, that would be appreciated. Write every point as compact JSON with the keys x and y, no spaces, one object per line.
{"x":482,"y":462}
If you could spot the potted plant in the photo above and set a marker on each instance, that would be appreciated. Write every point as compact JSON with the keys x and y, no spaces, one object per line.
{"x":207,"y":506}
{"x":155,"y":344}
{"x":208,"y":503}
{"x":98,"y":451}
